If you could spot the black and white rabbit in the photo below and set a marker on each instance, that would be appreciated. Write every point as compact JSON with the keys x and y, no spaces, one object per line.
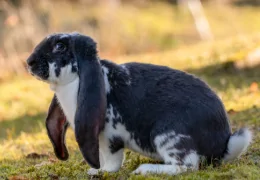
{"x":162,"y":113}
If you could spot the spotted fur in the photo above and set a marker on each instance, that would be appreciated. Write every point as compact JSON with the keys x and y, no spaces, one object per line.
{"x":157,"y":111}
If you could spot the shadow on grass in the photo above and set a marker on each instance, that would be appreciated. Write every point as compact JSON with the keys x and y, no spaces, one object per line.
{"x":226,"y":75}
{"x":29,"y":124}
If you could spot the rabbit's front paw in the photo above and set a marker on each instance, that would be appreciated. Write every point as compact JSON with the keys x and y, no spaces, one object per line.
{"x":93,"y":171}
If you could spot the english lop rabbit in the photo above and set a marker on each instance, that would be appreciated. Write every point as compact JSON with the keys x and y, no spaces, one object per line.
{"x":162,"y":113}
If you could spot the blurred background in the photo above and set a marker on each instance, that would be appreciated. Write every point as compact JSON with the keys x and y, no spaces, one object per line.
{"x":217,"y":40}
{"x":121,"y":27}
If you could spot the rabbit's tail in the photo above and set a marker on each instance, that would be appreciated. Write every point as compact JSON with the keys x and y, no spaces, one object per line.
{"x":237,"y":144}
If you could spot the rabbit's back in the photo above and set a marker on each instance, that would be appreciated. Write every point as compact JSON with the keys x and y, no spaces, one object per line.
{"x":177,"y":101}
{"x":157,"y":99}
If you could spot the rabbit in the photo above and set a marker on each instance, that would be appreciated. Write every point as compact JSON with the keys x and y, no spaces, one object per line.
{"x":157,"y":111}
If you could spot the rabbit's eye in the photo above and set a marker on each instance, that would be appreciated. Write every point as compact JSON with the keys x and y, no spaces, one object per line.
{"x":60,"y":47}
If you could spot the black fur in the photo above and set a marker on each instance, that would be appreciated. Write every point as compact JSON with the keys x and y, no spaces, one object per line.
{"x":160,"y":100}
{"x":90,"y":114}
{"x":149,"y":100}
{"x":116,"y":143}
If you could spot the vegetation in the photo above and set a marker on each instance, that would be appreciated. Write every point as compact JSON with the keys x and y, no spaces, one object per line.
{"x":26,"y":152}
{"x":129,"y":27}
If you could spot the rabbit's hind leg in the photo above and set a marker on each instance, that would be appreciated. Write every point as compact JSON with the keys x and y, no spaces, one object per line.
{"x":178,"y":153}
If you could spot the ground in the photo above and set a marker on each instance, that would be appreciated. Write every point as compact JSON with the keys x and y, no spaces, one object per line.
{"x":26,"y":151}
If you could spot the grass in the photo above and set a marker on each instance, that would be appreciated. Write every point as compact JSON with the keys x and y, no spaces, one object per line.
{"x":24,"y":102}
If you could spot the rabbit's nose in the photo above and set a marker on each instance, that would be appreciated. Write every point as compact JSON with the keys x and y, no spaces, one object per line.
{"x":31,"y":61}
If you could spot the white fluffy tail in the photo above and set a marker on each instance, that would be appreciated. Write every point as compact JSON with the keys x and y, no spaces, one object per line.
{"x":237,"y":144}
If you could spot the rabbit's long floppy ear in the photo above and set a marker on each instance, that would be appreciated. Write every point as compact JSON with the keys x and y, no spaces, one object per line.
{"x":91,"y":102}
{"x":56,"y":125}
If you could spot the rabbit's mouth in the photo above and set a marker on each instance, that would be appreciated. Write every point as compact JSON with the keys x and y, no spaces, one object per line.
{"x":39,"y":78}
{"x":38,"y":67}
{"x":29,"y":69}
{"x":39,"y":73}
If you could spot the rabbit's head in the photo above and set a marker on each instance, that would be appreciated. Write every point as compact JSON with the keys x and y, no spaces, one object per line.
{"x":59,"y":59}
{"x":54,"y":59}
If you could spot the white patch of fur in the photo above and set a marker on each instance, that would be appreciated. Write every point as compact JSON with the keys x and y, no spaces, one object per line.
{"x":128,"y":73}
{"x":161,"y":138}
{"x":75,"y":64}
{"x":107,"y":85}
{"x":67,"y":96}
{"x":93,"y":171}
{"x":128,"y":82}
{"x":237,"y":144}
{"x":163,"y":151}
{"x":165,"y":148}
{"x":110,"y":162}
{"x":66,"y":87}
{"x":125,"y":68}
{"x":110,"y":113}
{"x":65,"y":77}
{"x":52,"y":76}
{"x":170,"y":169}
{"x":192,"y":159}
